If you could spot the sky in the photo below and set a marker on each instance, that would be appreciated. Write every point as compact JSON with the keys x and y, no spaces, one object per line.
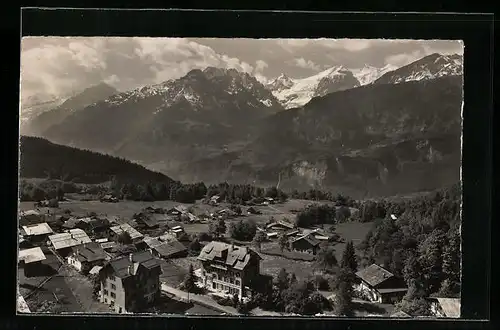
{"x":60,"y":66}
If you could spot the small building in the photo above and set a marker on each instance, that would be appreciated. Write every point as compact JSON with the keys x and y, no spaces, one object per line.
{"x":85,"y":256}
{"x":31,"y":261}
{"x":130,"y":283}
{"x":108,"y":246}
{"x":378,"y":284}
{"x":177,"y":231}
{"x":95,"y":270}
{"x":230,"y":270}
{"x":116,"y":231}
{"x":93,"y":226}
{"x":63,"y":242}
{"x":166,"y":249}
{"x":280,"y":225}
{"x":445,"y":307}
{"x":36,"y":233}
{"x":305,"y":243}
{"x":154,"y":209}
{"x":268,"y":200}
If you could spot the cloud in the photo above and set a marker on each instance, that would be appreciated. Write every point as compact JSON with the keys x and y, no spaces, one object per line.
{"x":404,"y":59}
{"x":306,"y":64}
{"x":61,"y":66}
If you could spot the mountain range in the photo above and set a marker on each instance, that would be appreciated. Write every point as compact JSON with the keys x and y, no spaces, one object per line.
{"x":370,"y":131}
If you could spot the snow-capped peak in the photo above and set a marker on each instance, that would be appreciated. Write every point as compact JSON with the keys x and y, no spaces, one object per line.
{"x":368,"y":74}
{"x":297,"y":92}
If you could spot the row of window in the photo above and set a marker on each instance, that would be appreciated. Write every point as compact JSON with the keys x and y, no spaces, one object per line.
{"x":227,"y":279}
{"x":227,"y":288}
{"x":112,"y":294}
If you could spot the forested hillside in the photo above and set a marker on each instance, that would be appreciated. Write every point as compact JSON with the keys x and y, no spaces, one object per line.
{"x":40,"y":158}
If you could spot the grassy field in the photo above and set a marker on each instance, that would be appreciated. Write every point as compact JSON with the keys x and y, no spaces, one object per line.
{"x":351,"y":231}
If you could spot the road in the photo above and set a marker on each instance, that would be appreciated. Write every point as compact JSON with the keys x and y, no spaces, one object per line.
{"x":200,"y":299}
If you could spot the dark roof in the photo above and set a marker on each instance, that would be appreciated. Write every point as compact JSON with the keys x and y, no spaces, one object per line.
{"x":374,"y":274}
{"x":89,"y":252}
{"x":147,"y":219}
{"x":309,"y":239}
{"x":237,"y":257}
{"x":121,"y":265}
{"x":170,"y":248}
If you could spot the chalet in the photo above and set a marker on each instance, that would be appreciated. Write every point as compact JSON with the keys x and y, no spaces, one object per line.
{"x":130,"y":283}
{"x":116,"y":231}
{"x":291,"y":233}
{"x":85,"y":256}
{"x":93,"y":226}
{"x":31,"y":261}
{"x":445,"y":307}
{"x":319,"y":234}
{"x":189,"y":217}
{"x":268,"y":200}
{"x":37,"y":233}
{"x":230,"y":269}
{"x":30,"y":217}
{"x":63,"y":242}
{"x":109,"y":199}
{"x":71,"y":223}
{"x":378,"y":284}
{"x":280,"y":225}
{"x":305,"y":243}
{"x":166,"y":249}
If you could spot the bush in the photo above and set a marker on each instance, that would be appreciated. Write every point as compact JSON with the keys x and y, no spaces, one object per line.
{"x":243,"y":230}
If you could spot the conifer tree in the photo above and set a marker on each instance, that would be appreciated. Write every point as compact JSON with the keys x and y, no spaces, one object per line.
{"x":349,"y":258}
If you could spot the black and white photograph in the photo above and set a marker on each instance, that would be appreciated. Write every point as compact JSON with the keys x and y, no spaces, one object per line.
{"x":240,"y":177}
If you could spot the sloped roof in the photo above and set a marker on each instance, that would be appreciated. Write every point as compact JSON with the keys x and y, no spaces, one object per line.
{"x":281,"y":223}
{"x":166,"y":249}
{"x":38,"y":229}
{"x":308,"y":238}
{"x":89,"y":252}
{"x":127,"y":228}
{"x":121,"y":265}
{"x":71,"y":223}
{"x":31,"y":255}
{"x":69,"y":239}
{"x":152,"y":242}
{"x":450,"y":306}
{"x":232,"y":256}
{"x":108,"y":245}
{"x":374,"y":274}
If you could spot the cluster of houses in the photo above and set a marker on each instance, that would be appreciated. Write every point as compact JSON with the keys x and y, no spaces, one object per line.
{"x":93,"y":246}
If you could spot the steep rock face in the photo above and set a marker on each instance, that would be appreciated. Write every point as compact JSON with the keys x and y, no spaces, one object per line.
{"x":377,"y":139}
{"x":430,"y":67}
{"x":293,"y":93}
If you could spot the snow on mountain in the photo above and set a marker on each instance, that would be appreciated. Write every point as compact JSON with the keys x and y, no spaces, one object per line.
{"x":429,"y":67}
{"x":34,"y":105}
{"x":294,"y":93}
{"x":368,"y":74}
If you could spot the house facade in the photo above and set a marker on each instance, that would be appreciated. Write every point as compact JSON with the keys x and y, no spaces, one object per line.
{"x":130,"y":283}
{"x":31,"y":261}
{"x":377,"y":284}
{"x":229,"y":269}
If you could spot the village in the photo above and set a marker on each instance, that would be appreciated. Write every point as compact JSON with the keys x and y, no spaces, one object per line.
{"x":112,"y":256}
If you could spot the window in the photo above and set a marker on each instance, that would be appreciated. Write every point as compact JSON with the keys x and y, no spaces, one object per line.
{"x":237,"y":282}
{"x":105,"y":292}
{"x":113,"y":286}
{"x":111,"y":278}
{"x":113,"y":295}
{"x":112,"y":303}
{"x":120,"y":310}
{"x":106,"y":300}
